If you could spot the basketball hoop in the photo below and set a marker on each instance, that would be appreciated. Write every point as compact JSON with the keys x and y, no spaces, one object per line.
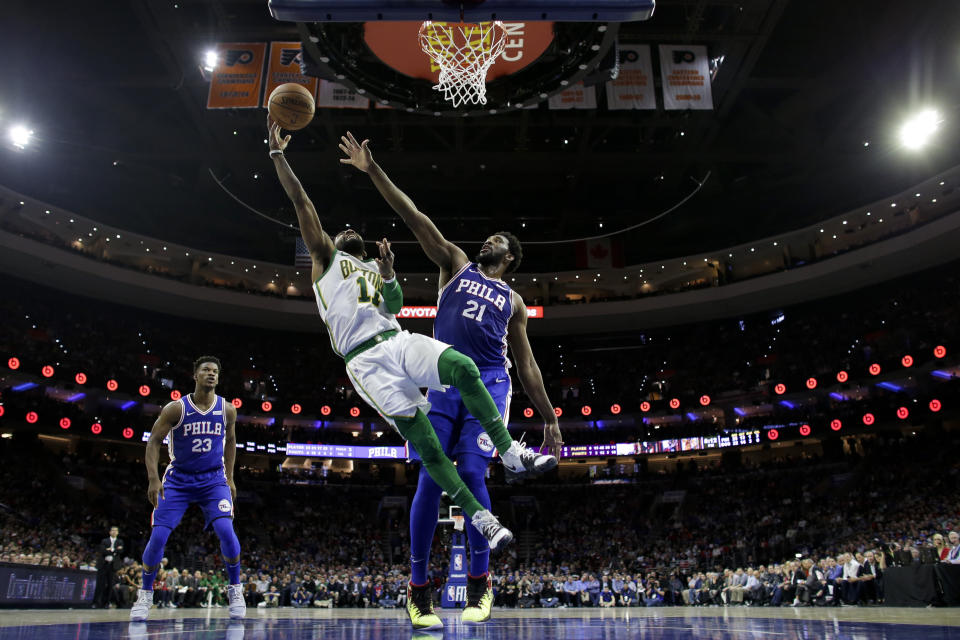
{"x":458,"y":523}
{"x":464,"y":53}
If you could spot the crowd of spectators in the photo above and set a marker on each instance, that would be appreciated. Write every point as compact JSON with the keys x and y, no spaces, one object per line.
{"x":814,"y":530}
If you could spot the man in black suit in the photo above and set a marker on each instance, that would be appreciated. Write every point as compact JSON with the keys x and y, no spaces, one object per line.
{"x":109,"y":561}
{"x":870,"y":575}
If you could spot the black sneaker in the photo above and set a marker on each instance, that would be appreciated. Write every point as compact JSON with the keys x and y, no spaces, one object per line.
{"x":420,"y":608}
{"x":479,"y":600}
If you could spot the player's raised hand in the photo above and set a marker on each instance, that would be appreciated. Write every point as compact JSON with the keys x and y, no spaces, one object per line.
{"x":385,"y":261}
{"x":273,"y":135}
{"x":552,"y":438}
{"x":155,"y":492}
{"x":358,"y":154}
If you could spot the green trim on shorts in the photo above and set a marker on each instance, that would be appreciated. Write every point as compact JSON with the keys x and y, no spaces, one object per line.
{"x":374,"y":402}
{"x":370,"y":343}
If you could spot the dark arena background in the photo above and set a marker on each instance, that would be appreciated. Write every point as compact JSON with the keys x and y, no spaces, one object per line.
{"x":739,"y":223}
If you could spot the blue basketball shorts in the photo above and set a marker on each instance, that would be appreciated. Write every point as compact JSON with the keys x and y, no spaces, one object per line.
{"x":458,"y":431}
{"x":181,"y":489}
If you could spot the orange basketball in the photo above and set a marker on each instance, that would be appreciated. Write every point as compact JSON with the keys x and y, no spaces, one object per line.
{"x":292,"y":106}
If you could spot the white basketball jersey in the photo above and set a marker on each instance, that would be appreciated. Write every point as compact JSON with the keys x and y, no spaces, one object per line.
{"x":349,"y":296}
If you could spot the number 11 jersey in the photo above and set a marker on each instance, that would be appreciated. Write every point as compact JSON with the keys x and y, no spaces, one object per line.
{"x":473,"y":314}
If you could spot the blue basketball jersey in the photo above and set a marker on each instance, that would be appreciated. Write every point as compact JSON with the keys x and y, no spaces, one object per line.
{"x":473,"y":314}
{"x":196,"y":443}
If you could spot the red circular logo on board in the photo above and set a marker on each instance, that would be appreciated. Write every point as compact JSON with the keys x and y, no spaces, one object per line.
{"x":127,"y":433}
{"x":939,"y":351}
{"x":586,"y":410}
{"x":144,"y":390}
{"x":296,"y":408}
{"x":65,"y":423}
{"x":615,"y":409}
{"x":804,"y":430}
{"x":175,"y":395}
{"x":354,"y":411}
{"x":705,"y":400}
{"x":935,"y":405}
{"x":528,"y":413}
{"x":674,"y":403}
{"x":557,"y":411}
{"x":96,"y":428}
{"x":773,"y":434}
{"x":13,"y":363}
{"x":868,"y":419}
{"x":112,"y":385}
{"x":397,"y":44}
{"x":237,"y":402}
{"x":2,"y":410}
{"x":266,"y":405}
{"x":874,"y":369}
{"x":81,"y":378}
{"x":644,"y":406}
{"x":842,"y":376}
{"x":325,"y":410}
{"x":907,"y":361}
{"x":811,"y":383}
{"x":836,"y":425}
{"x":32,"y":417}
{"x":903,"y":413}
{"x":47,"y":371}
{"x":780,"y":389}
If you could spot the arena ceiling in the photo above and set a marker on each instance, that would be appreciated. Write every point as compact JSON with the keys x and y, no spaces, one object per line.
{"x":115,"y":96}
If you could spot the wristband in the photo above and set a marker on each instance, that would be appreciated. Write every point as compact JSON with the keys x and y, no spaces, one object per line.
{"x":276,"y":152}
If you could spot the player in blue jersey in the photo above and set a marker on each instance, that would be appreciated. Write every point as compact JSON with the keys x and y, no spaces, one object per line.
{"x":480,"y":316}
{"x":201,"y":428}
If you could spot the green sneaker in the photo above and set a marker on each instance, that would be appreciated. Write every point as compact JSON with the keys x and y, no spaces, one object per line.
{"x":479,"y":600}
{"x":420,"y":608}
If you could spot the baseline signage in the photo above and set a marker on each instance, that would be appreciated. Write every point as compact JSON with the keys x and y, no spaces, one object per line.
{"x":431,"y":312}
{"x":23,"y":586}
{"x":346,"y":451}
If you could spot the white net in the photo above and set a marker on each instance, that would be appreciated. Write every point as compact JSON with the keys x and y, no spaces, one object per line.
{"x":464,"y":53}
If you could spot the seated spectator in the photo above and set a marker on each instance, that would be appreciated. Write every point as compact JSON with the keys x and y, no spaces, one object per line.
{"x":607,"y":598}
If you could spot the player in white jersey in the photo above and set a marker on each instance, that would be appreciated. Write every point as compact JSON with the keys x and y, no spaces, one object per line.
{"x":358,"y":299}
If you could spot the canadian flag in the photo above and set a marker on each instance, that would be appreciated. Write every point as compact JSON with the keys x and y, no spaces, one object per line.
{"x":600,"y":253}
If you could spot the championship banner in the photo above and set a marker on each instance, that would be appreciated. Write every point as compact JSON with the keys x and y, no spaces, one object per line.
{"x":633,"y":88}
{"x":575,"y":97}
{"x":239,"y":74}
{"x":336,"y":96}
{"x":284,"y":67}
{"x":685,"y":71}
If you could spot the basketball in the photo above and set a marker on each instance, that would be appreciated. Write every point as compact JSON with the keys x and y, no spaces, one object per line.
{"x":292,"y":106}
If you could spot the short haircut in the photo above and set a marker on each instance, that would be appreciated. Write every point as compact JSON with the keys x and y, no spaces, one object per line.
{"x":203,"y":359}
{"x":513,"y":243}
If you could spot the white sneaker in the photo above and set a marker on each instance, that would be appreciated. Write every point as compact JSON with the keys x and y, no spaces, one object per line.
{"x":523,"y":461}
{"x":141,"y":608}
{"x":238,"y":608}
{"x":487,"y":524}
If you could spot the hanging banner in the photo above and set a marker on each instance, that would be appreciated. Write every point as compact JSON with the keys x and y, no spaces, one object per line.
{"x":575,"y":97}
{"x":600,"y":253}
{"x":284,"y":67}
{"x":685,"y":71}
{"x":238,"y":77}
{"x":633,"y":88}
{"x":336,"y":96}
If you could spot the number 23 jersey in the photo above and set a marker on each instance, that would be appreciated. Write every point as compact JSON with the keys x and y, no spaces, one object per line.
{"x":196,"y":443}
{"x":473,"y":315}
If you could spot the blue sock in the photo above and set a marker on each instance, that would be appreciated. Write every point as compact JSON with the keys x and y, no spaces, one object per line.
{"x":424,"y":513}
{"x":229,"y":547}
{"x":472,"y":469}
{"x":153,"y":554}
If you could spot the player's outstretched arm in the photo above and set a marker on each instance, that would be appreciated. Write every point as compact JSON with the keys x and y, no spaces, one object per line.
{"x":530,"y":376}
{"x":230,"y":446}
{"x":169,"y":416}
{"x":446,"y":255}
{"x":317,"y":240}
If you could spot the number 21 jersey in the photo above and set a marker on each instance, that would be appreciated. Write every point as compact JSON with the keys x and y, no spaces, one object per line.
{"x":473,"y":314}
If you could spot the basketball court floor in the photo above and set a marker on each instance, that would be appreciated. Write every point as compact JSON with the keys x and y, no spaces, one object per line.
{"x":537,"y":624}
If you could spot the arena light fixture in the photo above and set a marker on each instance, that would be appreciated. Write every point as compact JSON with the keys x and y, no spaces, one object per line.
{"x":773,"y":434}
{"x":175,"y":395}
{"x":81,"y":378}
{"x":907,"y":360}
{"x":112,"y":385}
{"x":13,"y":363}
{"x":325,"y":410}
{"x":842,"y":376}
{"x":96,"y":428}
{"x":903,"y":413}
{"x":127,"y":433}
{"x":836,"y":424}
{"x":780,"y":389}
{"x":939,"y":351}
{"x":65,"y":423}
{"x":811,"y":383}
{"x":32,"y":417}
{"x":354,"y":412}
{"x":528,"y":413}
{"x":47,"y":371}
{"x":935,"y":405}
{"x":210,"y":60}
{"x":266,"y":406}
{"x":615,"y":409}
{"x":874,"y":369}
{"x":295,"y":408}
{"x":644,"y":406}
{"x":20,"y":136}
{"x":674,"y":403}
{"x":804,"y":430}
{"x":868,"y":419}
{"x":144,"y":390}
{"x":237,"y":402}
{"x":917,"y":131}
{"x":557,"y":411}
{"x":586,"y":410}
{"x":705,"y":400}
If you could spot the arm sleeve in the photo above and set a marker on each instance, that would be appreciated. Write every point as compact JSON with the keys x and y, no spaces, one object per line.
{"x":393,"y":296}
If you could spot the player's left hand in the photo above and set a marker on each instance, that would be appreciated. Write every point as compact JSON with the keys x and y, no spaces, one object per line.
{"x":385,"y":261}
{"x":552,"y":438}
{"x":233,"y":491}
